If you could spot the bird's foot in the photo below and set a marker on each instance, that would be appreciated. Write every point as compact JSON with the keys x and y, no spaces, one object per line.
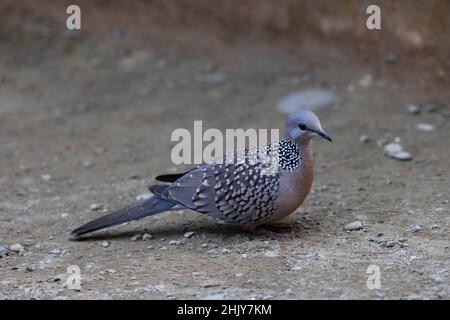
{"x":275,"y":232}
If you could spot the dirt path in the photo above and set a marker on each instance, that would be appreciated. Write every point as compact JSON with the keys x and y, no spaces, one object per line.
{"x":83,"y":125}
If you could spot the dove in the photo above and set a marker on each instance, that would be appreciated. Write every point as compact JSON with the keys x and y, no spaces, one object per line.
{"x":253,"y":187}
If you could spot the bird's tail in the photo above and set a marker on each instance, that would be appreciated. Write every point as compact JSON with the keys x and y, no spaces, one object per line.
{"x":135,"y":211}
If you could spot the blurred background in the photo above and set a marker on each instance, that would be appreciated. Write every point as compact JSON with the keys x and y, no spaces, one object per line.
{"x":85,"y":123}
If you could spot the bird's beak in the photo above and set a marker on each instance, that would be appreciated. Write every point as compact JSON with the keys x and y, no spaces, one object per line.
{"x":324,"y":135}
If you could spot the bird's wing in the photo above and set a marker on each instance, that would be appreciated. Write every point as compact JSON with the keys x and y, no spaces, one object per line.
{"x":243,"y":191}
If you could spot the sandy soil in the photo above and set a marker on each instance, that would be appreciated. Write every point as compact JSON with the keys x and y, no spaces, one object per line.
{"x":85,"y":121}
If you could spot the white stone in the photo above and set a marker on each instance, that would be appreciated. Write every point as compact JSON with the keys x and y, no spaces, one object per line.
{"x":271,"y":254}
{"x":395,"y":151}
{"x":355,"y":225}
{"x":425,"y":127}
{"x":189,"y":234}
{"x":16,"y":247}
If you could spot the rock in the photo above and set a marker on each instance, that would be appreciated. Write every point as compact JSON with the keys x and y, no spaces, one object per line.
{"x":46,"y":177}
{"x":366,"y":81}
{"x":415,"y":228}
{"x":395,"y":151}
{"x":306,"y":99}
{"x":271,"y":254}
{"x":16,"y":247}
{"x":104,"y":244}
{"x":425,"y":127}
{"x":390,"y":58}
{"x":403,"y":156}
{"x":136,"y":237}
{"x":172,"y":243}
{"x":364,"y":139}
{"x":111,"y":271}
{"x":413,"y":109}
{"x":352,"y":226}
{"x":147,"y":236}
{"x":64,"y":215}
{"x":4,"y":251}
{"x":189,"y":234}
{"x":440,"y":280}
{"x":296,"y":268}
{"x":143,"y":196}
{"x":87,"y":164}
{"x":55,"y":251}
{"x":30,"y":268}
{"x":390,"y":244}
{"x":95,"y":207}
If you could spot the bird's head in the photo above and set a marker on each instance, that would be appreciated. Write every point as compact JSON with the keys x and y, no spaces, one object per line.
{"x":303,"y":125}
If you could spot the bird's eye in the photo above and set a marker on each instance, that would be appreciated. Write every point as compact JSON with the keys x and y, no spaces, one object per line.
{"x":302,"y":126}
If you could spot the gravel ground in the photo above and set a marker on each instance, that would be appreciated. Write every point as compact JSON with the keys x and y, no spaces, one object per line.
{"x":85,"y":126}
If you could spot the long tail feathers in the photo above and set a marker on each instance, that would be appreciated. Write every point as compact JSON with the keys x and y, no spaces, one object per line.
{"x":135,"y":211}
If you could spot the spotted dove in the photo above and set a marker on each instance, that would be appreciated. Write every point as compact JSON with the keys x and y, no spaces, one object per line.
{"x":249,"y":187}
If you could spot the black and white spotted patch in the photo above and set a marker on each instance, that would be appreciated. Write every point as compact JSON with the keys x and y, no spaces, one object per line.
{"x":288,"y":155}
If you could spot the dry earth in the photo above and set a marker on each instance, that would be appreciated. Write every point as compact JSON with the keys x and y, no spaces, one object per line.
{"x":84,"y":121}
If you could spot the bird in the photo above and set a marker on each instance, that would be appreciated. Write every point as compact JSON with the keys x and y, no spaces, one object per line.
{"x":253,"y":187}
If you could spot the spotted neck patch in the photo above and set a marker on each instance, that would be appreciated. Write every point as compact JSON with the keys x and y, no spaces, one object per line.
{"x":288,"y":155}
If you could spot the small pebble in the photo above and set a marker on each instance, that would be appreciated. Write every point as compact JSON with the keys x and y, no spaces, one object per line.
{"x":271,"y":254}
{"x":172,"y":243}
{"x":366,"y":81}
{"x":415,"y":228}
{"x":95,"y":206}
{"x":413,"y":109}
{"x":30,"y":268}
{"x":395,"y":151}
{"x":352,"y":226}
{"x":364,"y":139}
{"x":136,"y":237}
{"x":87,"y":164}
{"x":46,"y":177}
{"x":147,"y":236}
{"x":296,"y":268}
{"x":440,"y":280}
{"x":16,"y":247}
{"x":4,"y":251}
{"x":425,"y":127}
{"x":189,"y":234}
{"x":55,"y":251}
{"x":390,"y":58}
{"x":390,"y":244}
{"x":104,"y":244}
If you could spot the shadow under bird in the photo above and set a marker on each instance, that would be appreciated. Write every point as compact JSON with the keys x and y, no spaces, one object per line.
{"x":238,"y":188}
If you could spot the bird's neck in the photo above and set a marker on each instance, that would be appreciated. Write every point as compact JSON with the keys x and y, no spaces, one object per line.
{"x":306,"y":155}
